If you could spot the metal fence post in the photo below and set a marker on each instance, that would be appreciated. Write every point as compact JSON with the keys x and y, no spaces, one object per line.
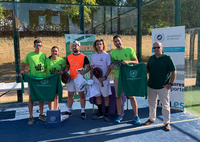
{"x":198,"y":58}
{"x":81,"y":17}
{"x":139,"y":31}
{"x":104,"y":19}
{"x":177,"y":16}
{"x":16,"y":49}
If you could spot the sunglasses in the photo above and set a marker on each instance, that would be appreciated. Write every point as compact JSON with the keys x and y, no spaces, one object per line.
{"x":36,"y":45}
{"x":156,"y":47}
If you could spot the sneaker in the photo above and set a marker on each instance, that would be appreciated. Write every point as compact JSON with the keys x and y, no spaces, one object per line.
{"x":83,"y":116}
{"x":167,"y":127}
{"x":42,"y":117}
{"x":118,"y":119}
{"x":137,"y":120}
{"x":106,"y":117}
{"x":30,"y":120}
{"x":98,"y":116}
{"x":68,"y":113}
{"x":148,"y":122}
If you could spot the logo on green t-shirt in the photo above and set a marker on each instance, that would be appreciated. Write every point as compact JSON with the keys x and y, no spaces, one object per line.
{"x":53,"y":71}
{"x":133,"y":73}
{"x":39,"y":67}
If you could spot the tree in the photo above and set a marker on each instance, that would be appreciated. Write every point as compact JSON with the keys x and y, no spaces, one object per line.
{"x":5,"y":19}
{"x":2,"y":18}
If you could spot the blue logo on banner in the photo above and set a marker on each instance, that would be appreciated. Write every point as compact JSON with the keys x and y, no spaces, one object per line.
{"x":179,"y":105}
{"x":173,"y":49}
{"x":159,"y":37}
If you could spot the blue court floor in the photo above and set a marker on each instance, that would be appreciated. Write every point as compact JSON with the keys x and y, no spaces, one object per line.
{"x":14,"y":127}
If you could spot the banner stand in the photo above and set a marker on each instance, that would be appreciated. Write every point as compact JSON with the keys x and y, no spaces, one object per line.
{"x":173,"y":41}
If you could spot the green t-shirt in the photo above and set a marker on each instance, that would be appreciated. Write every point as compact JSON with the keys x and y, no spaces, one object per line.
{"x":43,"y":89}
{"x":133,"y":80}
{"x":36,"y":63}
{"x":53,"y":66}
{"x":160,"y":71}
{"x":126,"y":54}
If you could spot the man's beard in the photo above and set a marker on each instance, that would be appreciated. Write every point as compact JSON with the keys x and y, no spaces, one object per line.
{"x":118,"y":46}
{"x":75,"y":50}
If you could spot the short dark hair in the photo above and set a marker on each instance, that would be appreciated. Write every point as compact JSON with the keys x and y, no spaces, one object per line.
{"x":37,"y":41}
{"x":116,"y":36}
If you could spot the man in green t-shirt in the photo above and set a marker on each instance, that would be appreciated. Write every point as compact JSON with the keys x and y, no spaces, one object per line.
{"x":162,"y":74}
{"x":35,"y":60}
{"x":124,"y":55}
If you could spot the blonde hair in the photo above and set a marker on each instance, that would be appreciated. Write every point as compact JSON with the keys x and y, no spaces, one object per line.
{"x":99,"y":40}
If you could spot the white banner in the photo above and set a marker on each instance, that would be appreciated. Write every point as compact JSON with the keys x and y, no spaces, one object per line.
{"x":173,"y":41}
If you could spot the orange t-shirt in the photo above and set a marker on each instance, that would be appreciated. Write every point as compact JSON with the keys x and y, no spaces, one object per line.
{"x":75,"y":62}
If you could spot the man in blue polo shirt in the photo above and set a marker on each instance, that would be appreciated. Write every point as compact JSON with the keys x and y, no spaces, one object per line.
{"x":162,"y":74}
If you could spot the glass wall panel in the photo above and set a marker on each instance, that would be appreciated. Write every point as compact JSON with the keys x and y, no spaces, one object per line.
{"x":192,"y":92}
{"x":7,"y":56}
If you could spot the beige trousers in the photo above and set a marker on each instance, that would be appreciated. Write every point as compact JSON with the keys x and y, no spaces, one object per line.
{"x":164,"y":97}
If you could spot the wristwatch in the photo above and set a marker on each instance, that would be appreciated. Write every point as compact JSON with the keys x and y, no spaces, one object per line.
{"x":105,"y":77}
{"x":171,"y":84}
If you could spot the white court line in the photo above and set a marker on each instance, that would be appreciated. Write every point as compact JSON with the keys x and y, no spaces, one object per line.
{"x":142,"y":127}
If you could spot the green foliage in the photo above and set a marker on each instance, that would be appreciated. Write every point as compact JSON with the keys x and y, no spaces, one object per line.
{"x":2,"y":17}
{"x":157,"y":14}
{"x":5,"y":19}
{"x":189,"y":13}
{"x":73,"y":11}
{"x":160,"y":13}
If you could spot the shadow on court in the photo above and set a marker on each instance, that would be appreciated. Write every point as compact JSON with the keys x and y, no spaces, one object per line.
{"x":14,"y":127}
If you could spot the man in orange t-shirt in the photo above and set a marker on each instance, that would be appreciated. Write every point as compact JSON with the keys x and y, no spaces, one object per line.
{"x":76,"y":61}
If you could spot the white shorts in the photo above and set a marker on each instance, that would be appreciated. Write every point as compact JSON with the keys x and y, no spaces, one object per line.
{"x":71,"y":87}
{"x":104,"y":91}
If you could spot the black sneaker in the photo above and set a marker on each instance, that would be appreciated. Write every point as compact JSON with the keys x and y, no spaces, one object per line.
{"x":68,"y":113}
{"x":83,"y":116}
{"x":106,"y":117}
{"x":98,"y":116}
{"x":42,"y":117}
{"x":30,"y":120}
